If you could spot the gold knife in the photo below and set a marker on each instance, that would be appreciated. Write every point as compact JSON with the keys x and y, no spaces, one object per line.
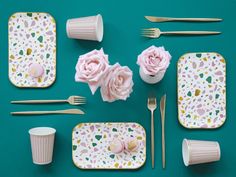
{"x":163,"y":110}
{"x":169,"y":19}
{"x":67,"y":111}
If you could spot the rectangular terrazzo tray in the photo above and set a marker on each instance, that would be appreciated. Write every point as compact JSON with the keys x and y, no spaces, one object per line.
{"x":202,"y":90}
{"x":32,"y":41}
{"x":90,"y":146}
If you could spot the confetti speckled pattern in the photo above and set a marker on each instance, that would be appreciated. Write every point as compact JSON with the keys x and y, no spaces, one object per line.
{"x":202,"y":90}
{"x":32,"y":39}
{"x":90,"y":146}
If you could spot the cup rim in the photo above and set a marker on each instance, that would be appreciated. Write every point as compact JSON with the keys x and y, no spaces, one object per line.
{"x":42,"y":131}
{"x":99,"y":28}
{"x":185,"y":152}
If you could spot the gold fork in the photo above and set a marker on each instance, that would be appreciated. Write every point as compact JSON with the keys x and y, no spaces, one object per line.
{"x":156,"y":33}
{"x":152,"y":105}
{"x":73,"y":100}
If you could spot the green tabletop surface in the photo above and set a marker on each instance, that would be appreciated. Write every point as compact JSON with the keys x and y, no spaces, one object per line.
{"x":123,"y":21}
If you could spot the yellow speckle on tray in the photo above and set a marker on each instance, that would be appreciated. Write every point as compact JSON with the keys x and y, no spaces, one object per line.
{"x":205,"y":59}
{"x":222,"y":60}
{"x":12,"y":57}
{"x":180,"y":98}
{"x":129,"y":163}
{"x":78,"y":141}
{"x":208,"y":120}
{"x":182,"y":111}
{"x":139,"y":138}
{"x":80,"y":125}
{"x":29,"y":51}
{"x":39,"y":80}
{"x":116,"y":165}
{"x":13,"y":70}
{"x":197,"y":92}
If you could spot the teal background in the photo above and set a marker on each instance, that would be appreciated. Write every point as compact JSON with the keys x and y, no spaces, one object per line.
{"x":123,"y":20}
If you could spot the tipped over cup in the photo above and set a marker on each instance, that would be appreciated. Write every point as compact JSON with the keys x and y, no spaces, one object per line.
{"x":86,"y":28}
{"x":42,"y":142}
{"x":197,"y":152}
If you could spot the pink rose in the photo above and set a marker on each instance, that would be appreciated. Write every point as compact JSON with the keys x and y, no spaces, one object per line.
{"x":117,"y":84}
{"x":153,"y":60}
{"x":91,"y":68}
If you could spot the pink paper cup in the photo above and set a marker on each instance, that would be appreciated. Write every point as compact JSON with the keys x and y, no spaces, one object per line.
{"x":42,"y":142}
{"x":197,"y":152}
{"x":85,"y":28}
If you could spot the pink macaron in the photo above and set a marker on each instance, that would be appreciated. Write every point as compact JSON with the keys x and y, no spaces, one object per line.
{"x":116,"y":146}
{"x":36,"y":70}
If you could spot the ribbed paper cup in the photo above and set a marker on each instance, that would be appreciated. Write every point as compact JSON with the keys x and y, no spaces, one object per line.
{"x":42,"y":142}
{"x":151,"y":79}
{"x":86,"y":28}
{"x":197,"y":152}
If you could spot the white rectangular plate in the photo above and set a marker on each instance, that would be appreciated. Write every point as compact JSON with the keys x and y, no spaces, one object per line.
{"x":32,"y":39}
{"x":90,"y":146}
{"x":202,"y":90}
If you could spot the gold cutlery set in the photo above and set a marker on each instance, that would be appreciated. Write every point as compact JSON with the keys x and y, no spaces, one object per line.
{"x":72,"y":100}
{"x":156,"y":32}
{"x":152,"y":105}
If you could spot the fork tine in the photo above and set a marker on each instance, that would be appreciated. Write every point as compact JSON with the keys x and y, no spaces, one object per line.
{"x":149,"y":36}
{"x":78,"y":97}
{"x":80,"y":101}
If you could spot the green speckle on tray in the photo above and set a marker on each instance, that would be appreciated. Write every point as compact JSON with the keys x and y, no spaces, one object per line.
{"x":198,"y":55}
{"x":188,"y":116}
{"x":87,"y":158}
{"x":112,"y":156}
{"x":201,"y":75}
{"x":98,"y":137}
{"x":40,"y":39}
{"x":134,"y":157}
{"x":114,"y":130}
{"x":48,"y":55}
{"x":33,"y":34}
{"x":47,"y":71}
{"x":130,"y":130}
{"x":217,"y":96}
{"x":74,"y":147}
{"x":21,"y":52}
{"x":189,"y":93}
{"x":94,"y":144}
{"x":29,"y":14}
{"x":209,"y":79}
